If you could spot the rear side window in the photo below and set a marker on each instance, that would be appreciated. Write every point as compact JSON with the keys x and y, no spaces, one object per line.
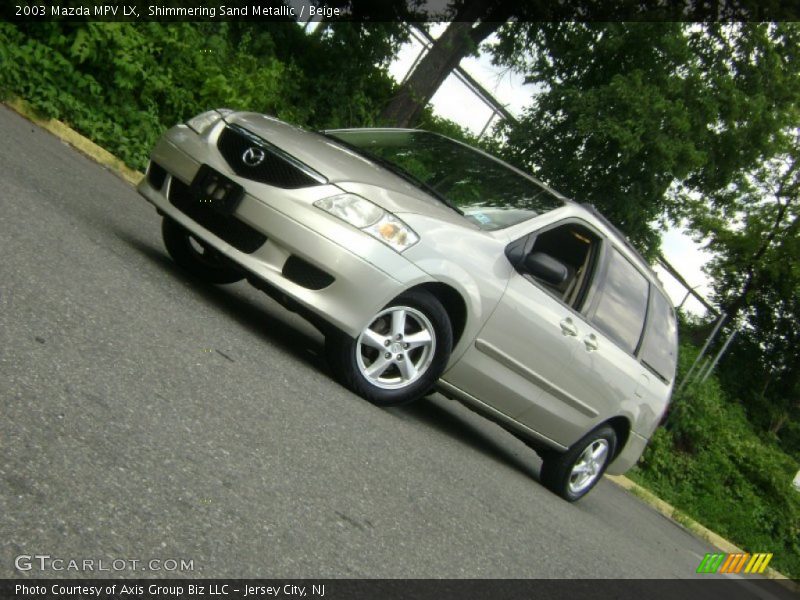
{"x":622,"y":307}
{"x":659,"y":348}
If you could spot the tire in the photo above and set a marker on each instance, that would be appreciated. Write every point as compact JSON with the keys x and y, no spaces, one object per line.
{"x":571,"y":474}
{"x":196,"y":257}
{"x":415,"y":360}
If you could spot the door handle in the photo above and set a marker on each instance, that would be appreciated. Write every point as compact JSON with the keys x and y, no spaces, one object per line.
{"x":590,"y":341}
{"x":568,"y":327}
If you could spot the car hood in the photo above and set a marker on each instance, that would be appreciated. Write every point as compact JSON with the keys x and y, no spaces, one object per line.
{"x":347,"y":169}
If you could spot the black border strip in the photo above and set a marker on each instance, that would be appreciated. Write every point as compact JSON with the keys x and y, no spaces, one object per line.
{"x":394,"y":589}
{"x":396,"y":10}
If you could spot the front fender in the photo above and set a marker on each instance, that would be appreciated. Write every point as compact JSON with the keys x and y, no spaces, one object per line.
{"x":471,"y":262}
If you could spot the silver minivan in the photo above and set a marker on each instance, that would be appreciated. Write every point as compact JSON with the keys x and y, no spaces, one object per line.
{"x":429,"y":264}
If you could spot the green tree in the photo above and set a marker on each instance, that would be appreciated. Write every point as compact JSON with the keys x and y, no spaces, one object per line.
{"x":612,"y":123}
{"x":342,"y":68}
{"x":745,"y":206}
{"x":473,"y":21}
{"x":629,"y":112}
{"x":753,"y":226}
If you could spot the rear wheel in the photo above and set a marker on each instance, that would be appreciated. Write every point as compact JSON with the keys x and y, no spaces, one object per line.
{"x":574,"y":473}
{"x":196,"y":257}
{"x":399,"y":355}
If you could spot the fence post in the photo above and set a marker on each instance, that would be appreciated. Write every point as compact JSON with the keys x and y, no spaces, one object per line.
{"x":702,"y":352}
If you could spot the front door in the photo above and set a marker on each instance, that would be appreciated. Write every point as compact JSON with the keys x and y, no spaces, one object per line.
{"x":522,"y":360}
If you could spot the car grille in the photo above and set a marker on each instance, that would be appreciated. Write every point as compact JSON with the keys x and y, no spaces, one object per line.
{"x":238,"y":234}
{"x":276,"y":167}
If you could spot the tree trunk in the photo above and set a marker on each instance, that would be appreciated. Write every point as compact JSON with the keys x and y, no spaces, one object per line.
{"x":778,"y":423}
{"x":461,"y":37}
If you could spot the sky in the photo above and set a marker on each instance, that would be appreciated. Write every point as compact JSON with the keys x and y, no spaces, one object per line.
{"x":455,"y":102}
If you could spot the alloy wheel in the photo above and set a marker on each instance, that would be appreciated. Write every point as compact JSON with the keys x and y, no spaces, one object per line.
{"x":589,"y":466}
{"x":396,"y":348}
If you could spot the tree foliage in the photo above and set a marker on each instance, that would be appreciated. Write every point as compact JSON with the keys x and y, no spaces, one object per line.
{"x":627,"y":111}
{"x":122,"y":84}
{"x":747,"y":211}
{"x":753,"y":226}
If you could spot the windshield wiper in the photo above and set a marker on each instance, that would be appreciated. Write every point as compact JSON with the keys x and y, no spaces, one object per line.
{"x":397,"y":170}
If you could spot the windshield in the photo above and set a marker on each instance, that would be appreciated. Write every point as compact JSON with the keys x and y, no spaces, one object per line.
{"x":486,"y":190}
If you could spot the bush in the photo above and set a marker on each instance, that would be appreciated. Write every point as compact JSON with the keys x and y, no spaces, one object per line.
{"x":711,"y":464}
{"x":123,"y":84}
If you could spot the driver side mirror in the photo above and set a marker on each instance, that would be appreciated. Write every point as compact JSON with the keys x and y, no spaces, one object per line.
{"x":545,"y":267}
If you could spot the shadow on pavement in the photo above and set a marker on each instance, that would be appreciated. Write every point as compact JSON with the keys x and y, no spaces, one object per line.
{"x":268,"y":324}
{"x":434,"y":412}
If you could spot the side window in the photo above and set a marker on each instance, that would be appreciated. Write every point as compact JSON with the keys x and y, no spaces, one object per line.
{"x":622,"y":307}
{"x":575,"y":247}
{"x":659,"y":348}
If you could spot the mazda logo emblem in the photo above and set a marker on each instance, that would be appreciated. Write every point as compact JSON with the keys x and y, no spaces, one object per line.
{"x":253,"y":156}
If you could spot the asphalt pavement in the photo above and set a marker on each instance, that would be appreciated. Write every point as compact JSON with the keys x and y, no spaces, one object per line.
{"x":144,"y":415}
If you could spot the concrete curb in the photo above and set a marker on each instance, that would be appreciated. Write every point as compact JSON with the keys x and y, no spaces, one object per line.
{"x":675,"y":514}
{"x":116,"y":166}
{"x":66,"y":134}
{"x":693,"y":526}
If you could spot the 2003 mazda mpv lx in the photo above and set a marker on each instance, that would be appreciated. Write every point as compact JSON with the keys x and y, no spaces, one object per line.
{"x":427,"y":263}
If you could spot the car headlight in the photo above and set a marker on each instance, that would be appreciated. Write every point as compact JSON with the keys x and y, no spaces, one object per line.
{"x":205,"y":120}
{"x":371,"y":219}
{"x":392,"y":231}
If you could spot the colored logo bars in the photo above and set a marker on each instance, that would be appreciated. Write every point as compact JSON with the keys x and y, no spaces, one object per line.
{"x":733,"y":563}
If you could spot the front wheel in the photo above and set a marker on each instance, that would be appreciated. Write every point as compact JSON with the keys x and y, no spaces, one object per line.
{"x":399,"y":355}
{"x":574,"y":473}
{"x":196,"y":257}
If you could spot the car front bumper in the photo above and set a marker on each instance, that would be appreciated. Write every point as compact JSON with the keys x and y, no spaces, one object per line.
{"x":367,"y":274}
